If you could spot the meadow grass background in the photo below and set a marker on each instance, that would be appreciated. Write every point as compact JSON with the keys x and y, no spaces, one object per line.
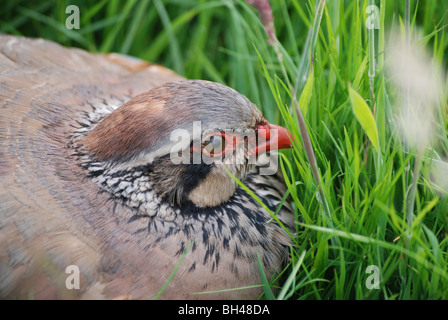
{"x":368,"y":192}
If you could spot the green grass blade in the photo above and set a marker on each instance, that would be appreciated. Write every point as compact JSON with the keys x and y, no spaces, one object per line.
{"x":269,"y":295}
{"x":365,"y":117}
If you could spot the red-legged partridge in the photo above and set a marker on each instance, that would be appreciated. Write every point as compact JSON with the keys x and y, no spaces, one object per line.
{"x":123,"y":169}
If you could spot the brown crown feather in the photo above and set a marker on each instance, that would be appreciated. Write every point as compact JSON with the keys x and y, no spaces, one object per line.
{"x":144,"y":123}
{"x":131,"y":128}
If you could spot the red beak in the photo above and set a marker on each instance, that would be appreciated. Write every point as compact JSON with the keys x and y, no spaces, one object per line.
{"x":272,"y":137}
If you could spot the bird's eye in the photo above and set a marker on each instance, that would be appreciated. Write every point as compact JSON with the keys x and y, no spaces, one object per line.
{"x":214,"y":145}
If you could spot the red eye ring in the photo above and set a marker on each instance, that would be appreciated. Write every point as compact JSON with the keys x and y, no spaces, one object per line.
{"x":208,"y":146}
{"x":264,"y":130}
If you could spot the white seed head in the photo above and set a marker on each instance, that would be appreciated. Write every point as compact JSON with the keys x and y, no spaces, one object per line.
{"x":439,"y":175}
{"x":417,"y":81}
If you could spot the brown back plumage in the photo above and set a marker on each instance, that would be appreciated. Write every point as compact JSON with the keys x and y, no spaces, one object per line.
{"x":51,"y":216}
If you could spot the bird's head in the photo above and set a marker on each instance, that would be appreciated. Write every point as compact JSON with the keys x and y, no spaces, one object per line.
{"x":185,"y":136}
